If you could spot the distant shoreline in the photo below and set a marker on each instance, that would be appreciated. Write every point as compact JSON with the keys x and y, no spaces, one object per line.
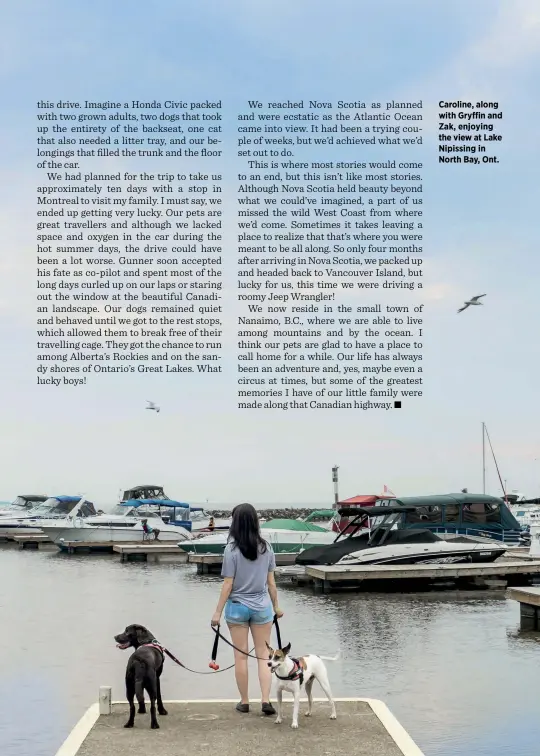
{"x":287,"y":513}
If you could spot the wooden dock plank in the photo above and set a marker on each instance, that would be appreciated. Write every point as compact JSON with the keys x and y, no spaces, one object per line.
{"x":32,"y":541}
{"x":282,"y":559}
{"x":364,"y":727}
{"x":148,"y":548}
{"x":335,"y":573}
{"x":529,"y":606}
{"x":211,"y":563}
{"x":525,"y":595}
{"x":33,"y":538}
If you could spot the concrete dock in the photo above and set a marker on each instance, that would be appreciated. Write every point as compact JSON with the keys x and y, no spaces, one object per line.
{"x":364,"y":727}
{"x":529,"y":606}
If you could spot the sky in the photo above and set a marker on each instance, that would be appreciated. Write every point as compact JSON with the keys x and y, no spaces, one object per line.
{"x":480,"y":236}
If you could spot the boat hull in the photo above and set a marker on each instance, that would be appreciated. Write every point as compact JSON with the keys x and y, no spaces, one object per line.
{"x":282,"y":541}
{"x":104,"y":534}
{"x":452,"y":554}
{"x":20,"y":528}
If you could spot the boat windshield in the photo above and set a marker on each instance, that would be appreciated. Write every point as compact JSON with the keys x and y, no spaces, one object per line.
{"x":145,"y":513}
{"x":20,"y":503}
{"x":199,"y":514}
{"x":120,"y":511}
{"x":53,"y":506}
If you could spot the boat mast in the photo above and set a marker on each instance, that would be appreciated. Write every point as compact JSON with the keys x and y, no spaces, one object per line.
{"x":484,"y":457}
{"x":335,"y":482}
{"x":503,"y":486}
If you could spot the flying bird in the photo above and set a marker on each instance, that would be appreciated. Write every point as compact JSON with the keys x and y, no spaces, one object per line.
{"x":152,"y":406}
{"x":472,"y":301}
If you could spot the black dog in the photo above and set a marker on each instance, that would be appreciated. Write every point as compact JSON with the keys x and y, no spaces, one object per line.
{"x":143,"y":671}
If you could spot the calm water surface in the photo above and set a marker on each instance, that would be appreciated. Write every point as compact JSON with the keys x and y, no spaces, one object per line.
{"x":456,"y":672}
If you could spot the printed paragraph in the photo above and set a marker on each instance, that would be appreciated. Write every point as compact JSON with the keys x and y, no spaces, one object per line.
{"x":330,"y":219}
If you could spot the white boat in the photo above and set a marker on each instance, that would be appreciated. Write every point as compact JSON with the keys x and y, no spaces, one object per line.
{"x":123,"y":525}
{"x":21,"y":505}
{"x":285,"y":536}
{"x":46,"y":513}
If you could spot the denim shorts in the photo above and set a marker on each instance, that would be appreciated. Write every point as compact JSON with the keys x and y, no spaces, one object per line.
{"x":238,"y":614}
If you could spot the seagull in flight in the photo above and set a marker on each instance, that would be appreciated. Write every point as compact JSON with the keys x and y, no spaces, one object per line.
{"x":472,"y":301}
{"x":152,"y":406}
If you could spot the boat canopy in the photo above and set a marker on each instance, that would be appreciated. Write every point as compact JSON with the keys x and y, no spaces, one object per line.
{"x":155,"y":502}
{"x":374,"y":511}
{"x":476,"y":510}
{"x":284,"y":524}
{"x":144,"y":492}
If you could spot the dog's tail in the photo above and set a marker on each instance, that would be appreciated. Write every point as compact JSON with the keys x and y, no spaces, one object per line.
{"x":331,"y":658}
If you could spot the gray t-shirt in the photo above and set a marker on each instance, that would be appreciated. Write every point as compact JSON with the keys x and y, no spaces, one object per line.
{"x":250,"y":584}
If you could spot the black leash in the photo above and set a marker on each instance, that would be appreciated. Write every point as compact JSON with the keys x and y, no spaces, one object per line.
{"x":213,"y":666}
{"x":241,"y":651}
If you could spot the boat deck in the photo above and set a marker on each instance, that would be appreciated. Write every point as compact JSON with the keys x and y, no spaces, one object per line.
{"x":364,"y":727}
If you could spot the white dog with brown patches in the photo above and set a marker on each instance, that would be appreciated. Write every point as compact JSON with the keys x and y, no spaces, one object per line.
{"x":292,"y":673}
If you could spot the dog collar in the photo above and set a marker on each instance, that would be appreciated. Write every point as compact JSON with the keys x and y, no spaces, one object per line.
{"x":296,"y":673}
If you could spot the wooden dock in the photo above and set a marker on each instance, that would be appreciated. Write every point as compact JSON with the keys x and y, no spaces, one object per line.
{"x":211,"y":563}
{"x":136,"y":551}
{"x":491,"y":575}
{"x":529,"y":606}
{"x":364,"y":727}
{"x":33,"y":541}
{"x":150,"y":552}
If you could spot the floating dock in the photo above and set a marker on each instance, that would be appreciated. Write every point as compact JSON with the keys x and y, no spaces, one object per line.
{"x":529,"y":606}
{"x":130,"y":551}
{"x":364,"y":727}
{"x":150,"y":552}
{"x":33,"y":541}
{"x":482,"y":575}
{"x":211,"y":563}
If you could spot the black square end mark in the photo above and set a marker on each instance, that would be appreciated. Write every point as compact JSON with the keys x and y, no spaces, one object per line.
{"x":397,"y":405}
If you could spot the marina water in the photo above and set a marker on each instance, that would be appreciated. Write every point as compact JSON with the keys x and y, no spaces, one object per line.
{"x":456,"y":672}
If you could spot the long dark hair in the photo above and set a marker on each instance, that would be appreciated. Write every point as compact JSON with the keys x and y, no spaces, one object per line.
{"x":245,"y":532}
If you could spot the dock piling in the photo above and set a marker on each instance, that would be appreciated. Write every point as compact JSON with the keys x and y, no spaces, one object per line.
{"x":105,"y":700}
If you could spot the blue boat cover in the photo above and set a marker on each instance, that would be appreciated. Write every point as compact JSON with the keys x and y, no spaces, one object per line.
{"x":66,"y":499}
{"x":155,"y":502}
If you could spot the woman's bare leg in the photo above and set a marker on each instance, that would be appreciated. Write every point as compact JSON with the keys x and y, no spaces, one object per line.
{"x":239,"y":636}
{"x":261,"y":636}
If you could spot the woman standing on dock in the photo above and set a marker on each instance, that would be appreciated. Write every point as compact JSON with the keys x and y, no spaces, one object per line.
{"x":249,"y":597}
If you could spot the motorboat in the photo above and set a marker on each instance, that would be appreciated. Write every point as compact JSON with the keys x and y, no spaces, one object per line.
{"x":388,"y":542}
{"x":47,"y":512}
{"x":21,"y":504}
{"x":125,"y":524}
{"x":172,"y":512}
{"x":286,"y":536}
